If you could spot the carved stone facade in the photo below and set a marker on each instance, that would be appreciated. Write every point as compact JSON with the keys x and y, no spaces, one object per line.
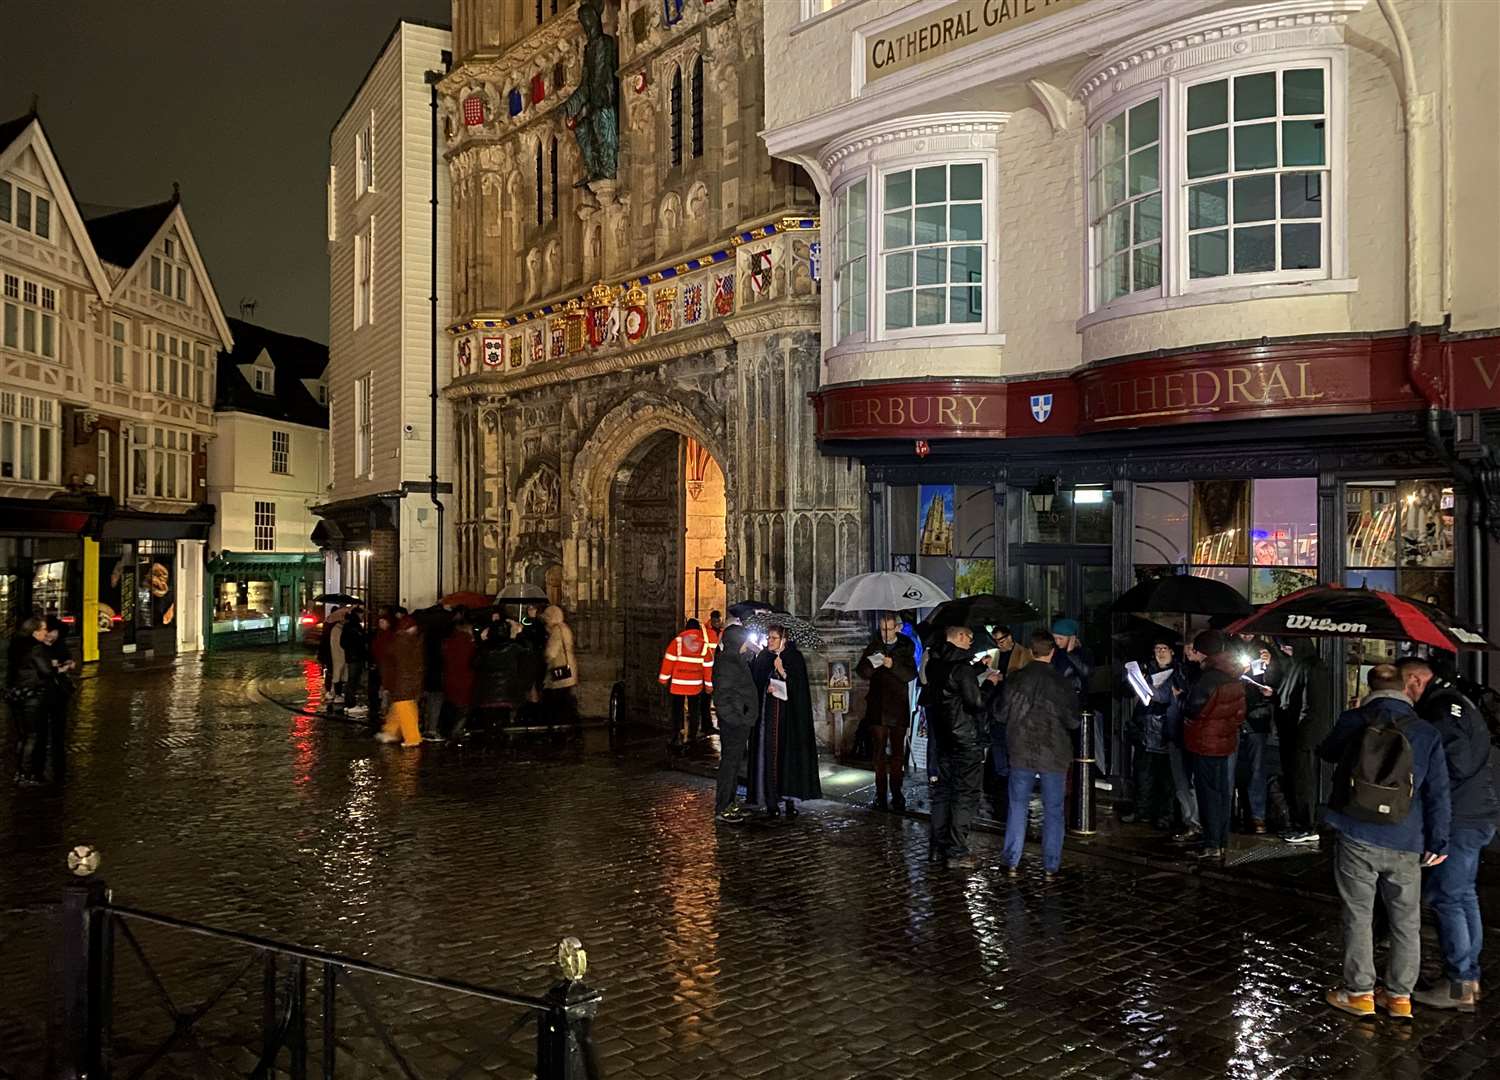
{"x":683,"y":296}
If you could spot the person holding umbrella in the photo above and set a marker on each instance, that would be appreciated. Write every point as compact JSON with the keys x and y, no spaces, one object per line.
{"x":956,"y":716}
{"x":888,"y":664}
{"x":783,"y":748}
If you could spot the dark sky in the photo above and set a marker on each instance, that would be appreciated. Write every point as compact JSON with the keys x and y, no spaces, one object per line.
{"x":233,"y":98}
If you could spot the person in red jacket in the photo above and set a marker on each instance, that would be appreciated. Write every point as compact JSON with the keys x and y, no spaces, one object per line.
{"x":458,"y":674}
{"x":687,"y":672}
{"x":1213,"y":712}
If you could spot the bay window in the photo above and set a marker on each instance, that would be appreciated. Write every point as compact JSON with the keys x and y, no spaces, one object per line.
{"x":851,"y":270}
{"x":1207,"y":181}
{"x":29,"y":438}
{"x":932,"y":245}
{"x":171,"y":463}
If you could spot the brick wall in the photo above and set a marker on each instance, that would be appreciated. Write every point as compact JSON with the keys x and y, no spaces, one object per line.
{"x":385,"y":567}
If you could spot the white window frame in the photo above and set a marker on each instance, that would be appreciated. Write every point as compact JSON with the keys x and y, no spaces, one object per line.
{"x":364,"y":276}
{"x":838,"y":263}
{"x":170,"y":272}
{"x":29,"y":317}
{"x":104,"y":438}
{"x":119,"y":339}
{"x":263,"y":379}
{"x":1178,"y":289}
{"x":30,"y":430}
{"x":170,"y":474}
{"x":39,"y":205}
{"x":333,"y":203}
{"x":264,"y":525}
{"x":364,"y":430}
{"x":281,"y":453}
{"x":364,"y":157}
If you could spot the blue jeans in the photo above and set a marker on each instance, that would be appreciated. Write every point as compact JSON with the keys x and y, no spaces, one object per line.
{"x":1253,"y":748}
{"x":1213,"y":780}
{"x":1022,"y":783}
{"x":1450,"y":890}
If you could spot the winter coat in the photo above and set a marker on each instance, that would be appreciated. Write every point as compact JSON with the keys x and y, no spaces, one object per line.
{"x":736,"y":697}
{"x":31,"y":672}
{"x":1305,"y":701}
{"x":1214,"y":709}
{"x":402,"y":672}
{"x":338,"y":664}
{"x":1260,"y":710}
{"x":458,"y":667}
{"x":559,"y":652}
{"x":1040,"y":711}
{"x":1154,"y":726}
{"x":325,"y":649}
{"x":956,"y":705}
{"x":1077,"y":667}
{"x":353,"y":640}
{"x":380,"y":647}
{"x":1466,"y":745}
{"x":796,"y":747}
{"x":1018,"y":657}
{"x":687,"y":667}
{"x":888,"y":704}
{"x":1426,"y":827}
{"x":506,"y":671}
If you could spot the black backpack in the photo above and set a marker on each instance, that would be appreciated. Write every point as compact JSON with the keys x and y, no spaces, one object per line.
{"x":1376,"y":776}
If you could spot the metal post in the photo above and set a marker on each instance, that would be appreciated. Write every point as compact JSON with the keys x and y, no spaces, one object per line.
{"x":268,"y":1034}
{"x":297,"y":1036}
{"x":564,"y":1031}
{"x":1081,"y":799}
{"x":83,"y":982}
{"x":330,"y":1021}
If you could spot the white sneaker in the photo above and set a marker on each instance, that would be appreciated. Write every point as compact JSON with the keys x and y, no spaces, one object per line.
{"x":385,"y":737}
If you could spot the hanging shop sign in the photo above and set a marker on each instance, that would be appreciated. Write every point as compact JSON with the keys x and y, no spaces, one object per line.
{"x":950,"y":28}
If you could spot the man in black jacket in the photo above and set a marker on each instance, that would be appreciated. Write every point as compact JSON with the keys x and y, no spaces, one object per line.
{"x":1040,"y":715}
{"x":956,"y":720}
{"x":1449,"y":886}
{"x":737,"y":701}
{"x":888,"y":706}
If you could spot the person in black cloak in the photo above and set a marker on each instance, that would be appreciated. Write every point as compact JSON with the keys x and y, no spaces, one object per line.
{"x":783,"y":749}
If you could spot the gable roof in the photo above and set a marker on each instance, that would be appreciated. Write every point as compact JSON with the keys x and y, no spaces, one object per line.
{"x":294,"y":358}
{"x":26,"y":131}
{"x":120,"y":237}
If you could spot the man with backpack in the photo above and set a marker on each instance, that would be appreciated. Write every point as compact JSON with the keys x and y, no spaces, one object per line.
{"x":1390,"y":807}
{"x":1449,"y":888}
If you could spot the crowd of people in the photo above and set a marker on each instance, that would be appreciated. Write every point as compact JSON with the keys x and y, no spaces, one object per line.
{"x":438,"y":675}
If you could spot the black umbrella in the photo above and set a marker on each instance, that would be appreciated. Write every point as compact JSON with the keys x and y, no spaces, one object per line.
{"x":982,"y":609}
{"x":1186,"y":593}
{"x":336,"y":598}
{"x":804,"y":633}
{"x":1140,"y":634}
{"x":745,"y":608}
{"x":1333,"y":611}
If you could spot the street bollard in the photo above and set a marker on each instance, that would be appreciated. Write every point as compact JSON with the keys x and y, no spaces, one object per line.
{"x":564,"y":1035}
{"x":1081,"y":797}
{"x":83,"y":969}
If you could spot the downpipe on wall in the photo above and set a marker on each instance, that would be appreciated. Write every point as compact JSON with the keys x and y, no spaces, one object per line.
{"x":432,"y":78}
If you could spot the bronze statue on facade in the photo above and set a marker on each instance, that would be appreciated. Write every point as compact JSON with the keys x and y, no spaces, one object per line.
{"x":593,"y":108}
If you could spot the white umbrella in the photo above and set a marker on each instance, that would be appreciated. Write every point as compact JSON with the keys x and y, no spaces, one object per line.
{"x":887,"y":590}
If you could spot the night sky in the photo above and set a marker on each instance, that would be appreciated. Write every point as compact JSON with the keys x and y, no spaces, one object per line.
{"x":233,"y":98}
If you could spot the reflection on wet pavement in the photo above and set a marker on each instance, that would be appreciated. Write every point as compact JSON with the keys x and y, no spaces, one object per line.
{"x":823,"y":947}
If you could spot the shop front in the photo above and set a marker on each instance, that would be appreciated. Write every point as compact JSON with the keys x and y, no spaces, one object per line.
{"x":1268,"y":468}
{"x":259,"y":599}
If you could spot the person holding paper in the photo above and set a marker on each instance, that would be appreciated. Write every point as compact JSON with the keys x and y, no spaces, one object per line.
{"x":959,"y":723}
{"x":783,"y":749}
{"x":1263,"y":679}
{"x":1150,"y":729}
{"x":889,"y":664}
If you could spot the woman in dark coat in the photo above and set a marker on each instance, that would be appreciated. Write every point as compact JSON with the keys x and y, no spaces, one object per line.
{"x":30,"y":680}
{"x":783,"y":750}
{"x":737,"y":702}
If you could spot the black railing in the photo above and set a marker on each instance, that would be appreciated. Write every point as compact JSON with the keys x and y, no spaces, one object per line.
{"x":95,"y":929}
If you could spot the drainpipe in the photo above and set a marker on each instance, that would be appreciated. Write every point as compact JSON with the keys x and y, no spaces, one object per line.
{"x":1413,"y":106}
{"x":432,"y":78}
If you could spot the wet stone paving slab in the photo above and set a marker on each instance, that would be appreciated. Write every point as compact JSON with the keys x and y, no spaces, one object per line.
{"x":820,"y":947}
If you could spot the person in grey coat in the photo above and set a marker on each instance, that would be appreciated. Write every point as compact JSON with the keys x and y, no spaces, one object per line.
{"x":737,"y":702}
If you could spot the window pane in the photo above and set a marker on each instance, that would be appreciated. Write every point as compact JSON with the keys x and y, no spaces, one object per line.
{"x":1255,"y":198}
{"x":898,"y":229}
{"x":1302,"y":195}
{"x":898,"y":270}
{"x":1255,"y":146}
{"x":1208,"y":205}
{"x":12,"y":323}
{"x":1302,"y":92}
{"x":966,"y":222}
{"x":5,"y":190}
{"x":897,"y":190}
{"x":43,"y":219}
{"x":967,"y":181}
{"x":47,"y":323}
{"x":932,"y":266}
{"x":155,"y":273}
{"x":1114,"y":137}
{"x":1144,"y":174}
{"x":930,"y":305}
{"x":1255,"y":96}
{"x":1114,"y":183}
{"x":1147,"y":266}
{"x":932,"y":224}
{"x":1117,"y":230}
{"x":23,"y":208}
{"x":932,"y":184}
{"x":967,"y":265}
{"x":28,"y":330}
{"x":1145,"y":121}
{"x":1284,"y":527}
{"x":1148,"y":218}
{"x":1163,"y":531}
{"x":1208,"y":254}
{"x":1301,"y":142}
{"x":1426,"y":522}
{"x":182,"y":283}
{"x":1255,"y":249}
{"x":897,"y":310}
{"x":1267,"y":585}
{"x":1116,"y":276}
{"x":1208,"y":153}
{"x":1221,"y":510}
{"x":1301,"y":247}
{"x":1208,"y":104}
{"x":965,"y":305}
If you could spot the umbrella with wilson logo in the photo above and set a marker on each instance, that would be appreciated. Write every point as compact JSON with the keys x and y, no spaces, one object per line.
{"x":1334,"y":611}
{"x":887,"y":590}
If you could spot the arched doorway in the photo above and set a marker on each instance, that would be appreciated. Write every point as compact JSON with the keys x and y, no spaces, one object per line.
{"x":668,"y":508}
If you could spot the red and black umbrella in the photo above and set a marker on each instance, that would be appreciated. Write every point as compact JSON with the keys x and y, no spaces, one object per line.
{"x":1333,"y":611}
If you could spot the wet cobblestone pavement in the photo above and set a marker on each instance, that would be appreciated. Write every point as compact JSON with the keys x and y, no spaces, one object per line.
{"x":820,"y":947}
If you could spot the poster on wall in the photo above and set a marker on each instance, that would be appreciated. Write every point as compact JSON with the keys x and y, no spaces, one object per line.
{"x":905,"y":563}
{"x":974,"y":576}
{"x":935,"y":518}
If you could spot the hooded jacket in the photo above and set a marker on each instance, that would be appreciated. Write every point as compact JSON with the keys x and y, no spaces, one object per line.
{"x":1466,"y":745}
{"x":1425,"y":828}
{"x":1039,"y":713}
{"x":1214,"y":710}
{"x":559,"y":651}
{"x":687,"y":667}
{"x":736,"y":698}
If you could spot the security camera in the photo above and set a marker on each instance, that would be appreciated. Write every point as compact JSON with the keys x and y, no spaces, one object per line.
{"x":408,"y":430}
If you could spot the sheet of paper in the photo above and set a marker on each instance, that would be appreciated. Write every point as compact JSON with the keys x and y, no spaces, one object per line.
{"x":1159,"y":677}
{"x":876,"y":659}
{"x":1138,"y":682}
{"x":778,"y":689}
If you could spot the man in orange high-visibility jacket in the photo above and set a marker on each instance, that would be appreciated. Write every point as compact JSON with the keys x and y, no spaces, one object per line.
{"x":714,"y":630}
{"x":687,"y":672}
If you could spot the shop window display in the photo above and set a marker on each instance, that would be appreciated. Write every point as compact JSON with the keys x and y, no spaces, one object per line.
{"x":1081,"y":515}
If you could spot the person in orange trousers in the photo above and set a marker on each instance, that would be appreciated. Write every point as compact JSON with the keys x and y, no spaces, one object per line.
{"x":404,"y":682}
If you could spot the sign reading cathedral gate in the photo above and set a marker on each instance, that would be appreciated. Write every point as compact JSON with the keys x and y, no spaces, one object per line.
{"x":949,"y":28}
